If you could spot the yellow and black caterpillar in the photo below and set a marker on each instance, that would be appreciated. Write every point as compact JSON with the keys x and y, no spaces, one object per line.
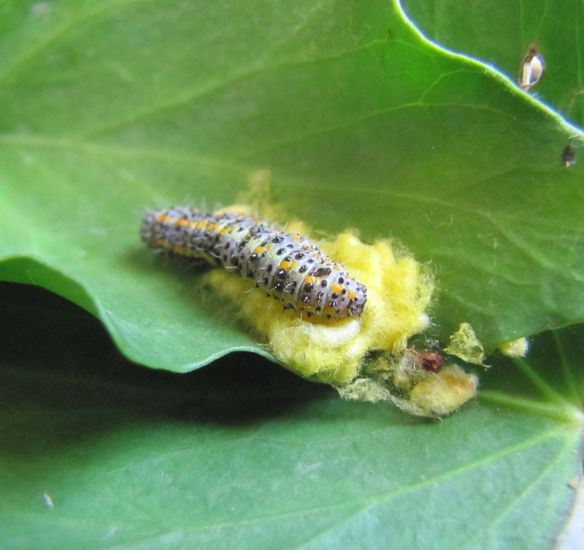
{"x":288,"y":267}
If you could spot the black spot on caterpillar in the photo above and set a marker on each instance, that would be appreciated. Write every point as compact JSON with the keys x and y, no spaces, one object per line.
{"x":287,"y":267}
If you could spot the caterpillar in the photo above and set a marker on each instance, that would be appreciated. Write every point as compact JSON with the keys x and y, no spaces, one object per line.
{"x":286,"y":266}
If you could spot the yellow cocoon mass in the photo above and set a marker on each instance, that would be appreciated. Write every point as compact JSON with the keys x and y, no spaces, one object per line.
{"x":399,"y":290}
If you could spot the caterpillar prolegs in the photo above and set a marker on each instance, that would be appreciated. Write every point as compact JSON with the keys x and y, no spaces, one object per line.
{"x":288,"y":267}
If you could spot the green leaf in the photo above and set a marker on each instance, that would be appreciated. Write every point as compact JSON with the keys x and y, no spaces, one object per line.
{"x":502,"y":33}
{"x":98,"y":453}
{"x":110,"y":108}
